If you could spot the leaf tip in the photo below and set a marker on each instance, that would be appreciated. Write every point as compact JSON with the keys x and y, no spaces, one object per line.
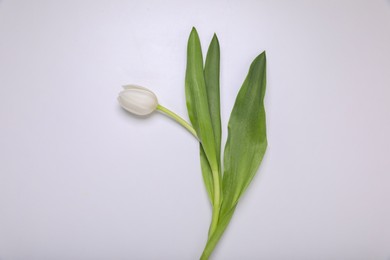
{"x":263,"y":54}
{"x":215,"y":38}
{"x":260,"y":58}
{"x":193,"y":30}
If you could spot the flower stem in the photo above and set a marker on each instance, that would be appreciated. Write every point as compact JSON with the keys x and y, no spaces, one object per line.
{"x":216,"y":204}
{"x":178,"y":119}
{"x":213,"y":240}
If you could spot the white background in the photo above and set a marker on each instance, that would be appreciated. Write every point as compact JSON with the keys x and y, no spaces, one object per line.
{"x":82,"y":179}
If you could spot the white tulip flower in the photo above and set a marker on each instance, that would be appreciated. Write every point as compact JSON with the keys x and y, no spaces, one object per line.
{"x":141,"y":101}
{"x":138,"y":100}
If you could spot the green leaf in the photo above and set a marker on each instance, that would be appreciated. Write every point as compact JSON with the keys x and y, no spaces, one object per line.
{"x":198,"y":108}
{"x":245,"y":146}
{"x":247,"y":140}
{"x":211,"y":74}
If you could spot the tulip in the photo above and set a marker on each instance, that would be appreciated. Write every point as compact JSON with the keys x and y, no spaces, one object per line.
{"x":141,"y":101}
{"x":138,"y":100}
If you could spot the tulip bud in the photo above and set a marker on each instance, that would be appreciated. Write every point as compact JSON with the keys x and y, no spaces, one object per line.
{"x":138,"y":100}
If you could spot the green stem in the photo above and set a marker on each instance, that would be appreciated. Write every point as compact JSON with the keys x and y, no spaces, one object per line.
{"x":212,"y":238}
{"x":217,"y":202}
{"x":216,"y":236}
{"x":178,"y":119}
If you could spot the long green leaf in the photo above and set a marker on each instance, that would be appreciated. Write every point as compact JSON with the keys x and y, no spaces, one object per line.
{"x":247,"y":140}
{"x":211,"y":74}
{"x":198,"y":109}
{"x":245,"y":146}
